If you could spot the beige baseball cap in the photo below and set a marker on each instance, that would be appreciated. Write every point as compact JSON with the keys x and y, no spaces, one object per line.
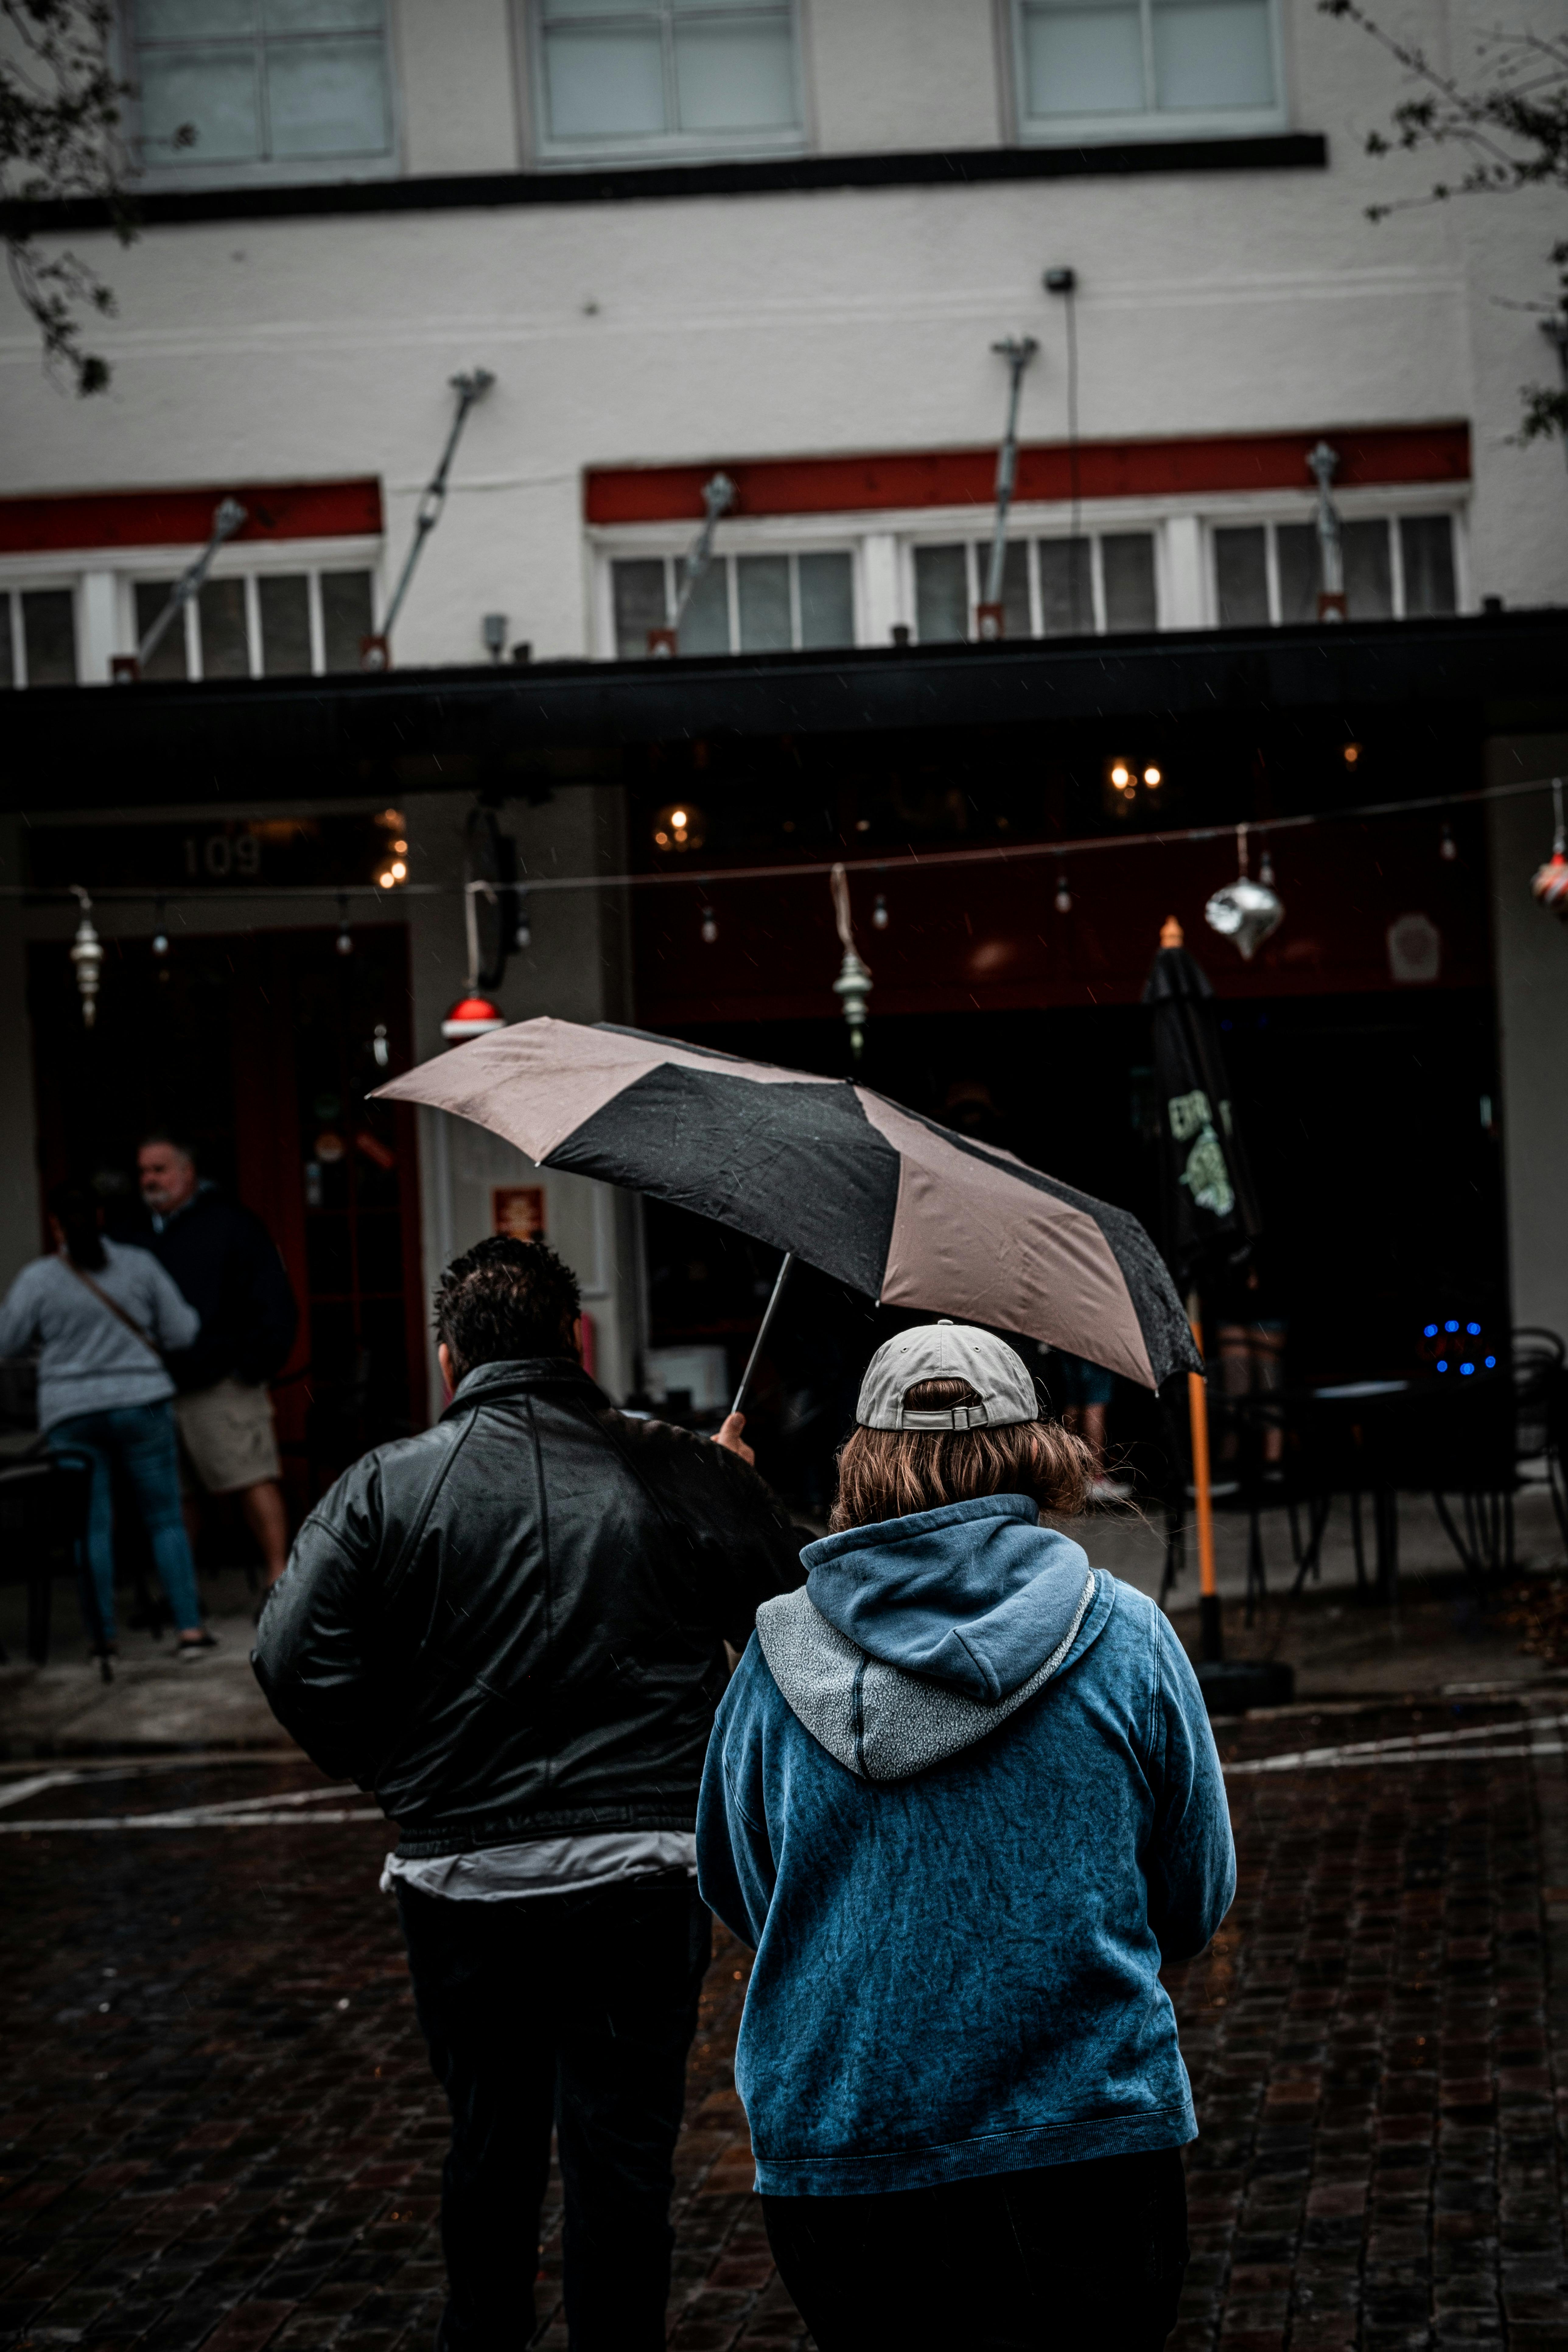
{"x":947,"y":1351}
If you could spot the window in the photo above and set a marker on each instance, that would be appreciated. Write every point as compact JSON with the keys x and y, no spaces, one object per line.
{"x":743,"y":603}
{"x":666,"y":76}
{"x":1050,"y":587}
{"x":37,"y":637}
{"x":1395,"y":569}
{"x":247,"y":83}
{"x":1171,"y":66}
{"x":268,"y":625}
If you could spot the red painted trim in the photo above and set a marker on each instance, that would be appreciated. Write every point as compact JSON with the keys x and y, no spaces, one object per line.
{"x":961,"y":477}
{"x":184,"y":518}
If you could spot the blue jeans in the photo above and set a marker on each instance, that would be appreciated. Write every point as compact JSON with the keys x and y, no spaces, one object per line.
{"x":141,"y":1439}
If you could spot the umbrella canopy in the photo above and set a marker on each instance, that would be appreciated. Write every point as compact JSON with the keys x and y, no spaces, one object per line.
{"x":1211,"y":1209}
{"x":883,"y":1200}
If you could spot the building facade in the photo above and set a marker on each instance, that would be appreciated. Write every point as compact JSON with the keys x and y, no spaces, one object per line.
{"x":779,"y":241}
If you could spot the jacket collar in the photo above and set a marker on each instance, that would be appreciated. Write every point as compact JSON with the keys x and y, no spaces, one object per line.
{"x":498,"y":1384}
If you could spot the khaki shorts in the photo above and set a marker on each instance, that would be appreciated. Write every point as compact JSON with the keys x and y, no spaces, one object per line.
{"x":227,"y":1437}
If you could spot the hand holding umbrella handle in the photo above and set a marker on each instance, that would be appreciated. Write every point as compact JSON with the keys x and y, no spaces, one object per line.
{"x":762,"y":1338}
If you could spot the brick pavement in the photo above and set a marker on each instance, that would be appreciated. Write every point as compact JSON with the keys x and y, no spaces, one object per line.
{"x":219,"y":2130}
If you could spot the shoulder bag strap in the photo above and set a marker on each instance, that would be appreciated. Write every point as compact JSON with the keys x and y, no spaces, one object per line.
{"x":120,"y":1313}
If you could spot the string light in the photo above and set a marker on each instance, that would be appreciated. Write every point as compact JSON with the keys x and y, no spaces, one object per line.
{"x":160,"y":936}
{"x":879,"y":914}
{"x":344,"y":943}
{"x":1064,"y":895}
{"x":710,"y":926}
{"x":1447,"y":847}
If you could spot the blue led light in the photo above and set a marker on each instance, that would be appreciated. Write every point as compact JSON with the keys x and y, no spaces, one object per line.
{"x":1430,"y":1332}
{"x":1450,"y":1327}
{"x":1467,"y":1368}
{"x":1444,"y":1365}
{"x":1491,"y":1364}
{"x":1474,"y":1329}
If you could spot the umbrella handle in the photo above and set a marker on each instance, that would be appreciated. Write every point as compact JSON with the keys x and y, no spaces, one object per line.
{"x":760,"y":1343}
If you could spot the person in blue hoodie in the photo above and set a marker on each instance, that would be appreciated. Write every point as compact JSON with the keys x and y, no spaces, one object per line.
{"x":962,"y":1799}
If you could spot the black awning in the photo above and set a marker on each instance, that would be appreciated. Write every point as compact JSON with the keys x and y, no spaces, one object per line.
{"x":289,"y":739}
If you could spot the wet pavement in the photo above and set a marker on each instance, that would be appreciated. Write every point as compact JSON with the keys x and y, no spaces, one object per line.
{"x":220,"y":2128}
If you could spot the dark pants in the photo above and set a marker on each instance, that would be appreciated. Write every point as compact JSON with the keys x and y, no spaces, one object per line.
{"x":576,"y":2011}
{"x":1072,"y":2258}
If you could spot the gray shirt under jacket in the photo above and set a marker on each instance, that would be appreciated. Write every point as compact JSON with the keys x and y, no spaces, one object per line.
{"x":88,"y":1360}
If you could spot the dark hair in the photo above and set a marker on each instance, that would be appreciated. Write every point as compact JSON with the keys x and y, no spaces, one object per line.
{"x":887,"y":1473}
{"x":504,"y":1300}
{"x":79,"y":1212}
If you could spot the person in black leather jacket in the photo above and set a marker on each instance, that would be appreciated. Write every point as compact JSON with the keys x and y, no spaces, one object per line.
{"x":511,"y":1630}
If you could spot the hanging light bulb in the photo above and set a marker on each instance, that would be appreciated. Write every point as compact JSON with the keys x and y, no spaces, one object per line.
{"x":1266,"y":869}
{"x":710,"y":926}
{"x":345,"y":945}
{"x":1447,"y":847}
{"x":853,"y":985}
{"x":1551,"y":881}
{"x":1245,"y":910}
{"x":379,"y":1051}
{"x":879,"y":914}
{"x":1064,"y":895}
{"x":160,"y":936}
{"x":523,"y":929}
{"x":87,"y":954}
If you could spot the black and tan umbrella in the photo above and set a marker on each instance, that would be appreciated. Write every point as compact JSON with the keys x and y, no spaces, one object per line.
{"x":881,"y":1199}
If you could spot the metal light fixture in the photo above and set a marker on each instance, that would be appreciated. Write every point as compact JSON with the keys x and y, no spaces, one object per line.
{"x":87,"y":954}
{"x":1245,"y":910}
{"x":853,"y":985}
{"x":1551,"y":881}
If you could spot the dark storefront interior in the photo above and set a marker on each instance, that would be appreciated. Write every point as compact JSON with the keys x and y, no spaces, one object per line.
{"x":260,"y":1049}
{"x":1023,"y":888}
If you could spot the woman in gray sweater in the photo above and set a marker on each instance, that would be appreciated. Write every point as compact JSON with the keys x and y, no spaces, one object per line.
{"x":101,"y":1315}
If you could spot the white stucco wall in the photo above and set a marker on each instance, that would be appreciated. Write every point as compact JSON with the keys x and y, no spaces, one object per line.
{"x":781,"y":324}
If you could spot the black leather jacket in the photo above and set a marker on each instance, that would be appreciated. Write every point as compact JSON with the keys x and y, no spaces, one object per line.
{"x":512,"y":1625}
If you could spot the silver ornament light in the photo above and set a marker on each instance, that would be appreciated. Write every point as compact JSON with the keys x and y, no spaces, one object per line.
{"x":1245,"y":911}
{"x":86,"y":955}
{"x":853,"y":985}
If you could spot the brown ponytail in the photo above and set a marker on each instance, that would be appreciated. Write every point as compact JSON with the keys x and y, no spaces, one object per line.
{"x":887,"y":1473}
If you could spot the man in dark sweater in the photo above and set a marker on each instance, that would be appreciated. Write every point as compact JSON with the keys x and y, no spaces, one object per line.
{"x":511,"y":1630}
{"x":227,"y":1265}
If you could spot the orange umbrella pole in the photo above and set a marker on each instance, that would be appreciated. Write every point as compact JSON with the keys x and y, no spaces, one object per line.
{"x":1211,"y":1641}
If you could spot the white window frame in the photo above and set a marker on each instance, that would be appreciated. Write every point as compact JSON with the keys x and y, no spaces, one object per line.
{"x":303,"y":170}
{"x":656,"y":146}
{"x":311,"y":557}
{"x":609,"y":547}
{"x":1150,"y":122}
{"x":1385,"y":505}
{"x":17,"y":583}
{"x":1100,"y":527}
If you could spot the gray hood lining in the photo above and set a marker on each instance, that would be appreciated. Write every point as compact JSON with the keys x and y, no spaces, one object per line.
{"x":878,"y":1721}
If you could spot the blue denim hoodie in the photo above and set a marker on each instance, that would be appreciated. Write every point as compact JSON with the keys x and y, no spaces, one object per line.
{"x":963,"y":1798}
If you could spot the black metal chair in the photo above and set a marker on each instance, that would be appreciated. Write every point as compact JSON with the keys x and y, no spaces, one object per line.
{"x":43,"y":1534}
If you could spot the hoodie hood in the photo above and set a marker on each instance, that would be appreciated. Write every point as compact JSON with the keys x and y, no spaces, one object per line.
{"x":975,"y":1595}
{"x":913,"y":1639}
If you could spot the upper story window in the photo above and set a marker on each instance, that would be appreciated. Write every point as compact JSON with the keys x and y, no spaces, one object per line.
{"x":1168,"y":68}
{"x":1396,"y":567}
{"x":262,"y":88}
{"x":1092,"y":585}
{"x":741,"y":605}
{"x":649,"y":77}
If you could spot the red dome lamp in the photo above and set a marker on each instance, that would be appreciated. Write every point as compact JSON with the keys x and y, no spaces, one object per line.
{"x":471,"y":1016}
